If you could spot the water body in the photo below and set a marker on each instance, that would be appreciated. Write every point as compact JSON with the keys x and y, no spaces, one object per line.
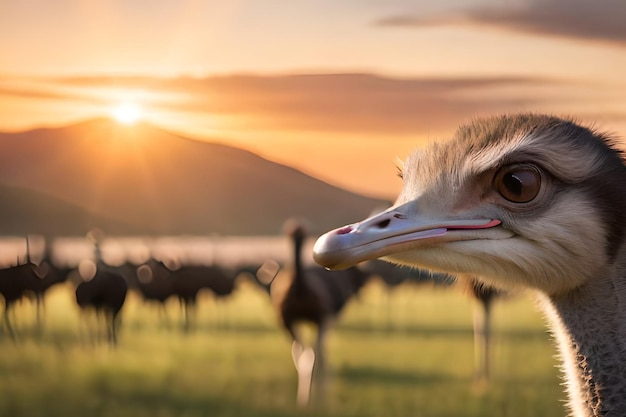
{"x":227,"y":251}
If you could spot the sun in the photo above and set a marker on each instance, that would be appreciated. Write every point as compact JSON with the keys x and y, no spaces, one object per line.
{"x":127,"y":113}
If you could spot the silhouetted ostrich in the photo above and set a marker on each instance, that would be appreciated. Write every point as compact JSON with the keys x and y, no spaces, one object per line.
{"x":520,"y":201}
{"x":49,"y":274}
{"x":483,"y":297}
{"x":105,"y":293}
{"x":29,"y":278}
{"x":155,"y":281}
{"x":151,"y":279}
{"x":16,"y":282}
{"x":393,"y":275}
{"x":187,"y":281}
{"x":314,"y":295}
{"x":261,"y":275}
{"x":480,"y":294}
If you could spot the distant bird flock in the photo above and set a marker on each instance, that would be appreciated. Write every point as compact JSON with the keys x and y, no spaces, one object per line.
{"x":300,"y":292}
{"x":103,"y":287}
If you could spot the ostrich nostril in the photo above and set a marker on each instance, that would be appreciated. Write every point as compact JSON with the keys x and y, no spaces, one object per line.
{"x":383,"y":223}
{"x":345,"y":230}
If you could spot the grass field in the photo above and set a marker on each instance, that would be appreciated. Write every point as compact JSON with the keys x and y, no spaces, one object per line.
{"x":408,"y":352}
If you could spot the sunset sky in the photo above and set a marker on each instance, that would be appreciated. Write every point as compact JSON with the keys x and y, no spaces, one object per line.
{"x":338,"y":89}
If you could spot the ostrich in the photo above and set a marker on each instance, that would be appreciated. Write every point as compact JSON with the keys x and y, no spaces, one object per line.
{"x":187,"y":281}
{"x":259,"y":274}
{"x":151,"y":279}
{"x":15,"y":282}
{"x":155,"y":281}
{"x":49,"y":274}
{"x":314,"y":295}
{"x":29,"y":278}
{"x":483,"y":296}
{"x":46,"y":275}
{"x":392,"y":276}
{"x":520,"y":201}
{"x":105,"y":293}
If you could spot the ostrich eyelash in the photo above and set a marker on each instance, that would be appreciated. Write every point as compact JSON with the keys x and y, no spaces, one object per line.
{"x":399,"y":172}
{"x":399,"y":163}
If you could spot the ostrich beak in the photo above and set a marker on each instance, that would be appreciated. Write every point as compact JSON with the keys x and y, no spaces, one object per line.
{"x":393,"y":231}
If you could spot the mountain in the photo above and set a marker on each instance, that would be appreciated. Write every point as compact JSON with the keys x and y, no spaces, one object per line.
{"x":157,"y":182}
{"x":26,"y":211}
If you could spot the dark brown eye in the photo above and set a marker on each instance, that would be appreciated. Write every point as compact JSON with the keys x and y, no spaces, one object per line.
{"x":518,"y":183}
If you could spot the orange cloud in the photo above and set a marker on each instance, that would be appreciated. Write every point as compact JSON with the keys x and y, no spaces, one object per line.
{"x":366,"y":105}
{"x":333,"y":102}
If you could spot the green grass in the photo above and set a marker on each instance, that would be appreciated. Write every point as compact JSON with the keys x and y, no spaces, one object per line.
{"x":408,"y":352}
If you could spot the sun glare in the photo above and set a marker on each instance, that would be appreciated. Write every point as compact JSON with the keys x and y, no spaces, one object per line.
{"x":127,"y":113}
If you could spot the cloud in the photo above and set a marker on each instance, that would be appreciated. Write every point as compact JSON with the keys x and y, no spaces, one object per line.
{"x":361,"y":103}
{"x":30,"y":93}
{"x":602,"y":20}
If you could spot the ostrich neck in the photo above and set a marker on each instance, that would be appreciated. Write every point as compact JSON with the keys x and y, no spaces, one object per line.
{"x":590,"y":327}
{"x":297,"y":265}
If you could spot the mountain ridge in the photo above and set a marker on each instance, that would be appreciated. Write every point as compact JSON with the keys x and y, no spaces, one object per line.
{"x":159,"y":182}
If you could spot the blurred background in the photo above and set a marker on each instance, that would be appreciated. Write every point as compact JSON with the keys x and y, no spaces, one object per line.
{"x":153,"y":158}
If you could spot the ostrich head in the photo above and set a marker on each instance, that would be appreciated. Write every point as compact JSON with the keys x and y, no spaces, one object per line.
{"x":519,"y":200}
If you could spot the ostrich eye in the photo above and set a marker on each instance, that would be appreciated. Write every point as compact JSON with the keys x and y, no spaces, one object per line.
{"x":518,"y":183}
